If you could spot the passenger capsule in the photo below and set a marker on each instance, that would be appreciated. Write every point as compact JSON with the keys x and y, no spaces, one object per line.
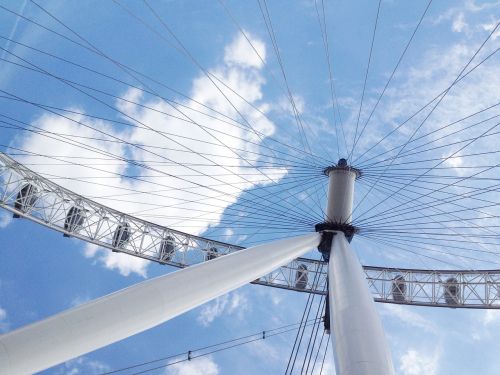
{"x":26,"y":199}
{"x":167,"y":248}
{"x":122,"y":235}
{"x":74,"y":220}
{"x":399,"y":288}
{"x":301,"y":277}
{"x":452,"y":291}
{"x":212,"y":253}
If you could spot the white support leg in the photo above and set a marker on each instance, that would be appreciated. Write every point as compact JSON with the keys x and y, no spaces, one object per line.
{"x":358,"y":338}
{"x":132,"y":310}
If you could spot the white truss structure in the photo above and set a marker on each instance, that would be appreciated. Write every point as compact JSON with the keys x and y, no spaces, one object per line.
{"x":478,"y":289}
{"x":29,"y":195}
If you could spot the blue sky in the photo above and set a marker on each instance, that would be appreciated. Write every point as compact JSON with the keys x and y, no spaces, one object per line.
{"x":41,"y":273}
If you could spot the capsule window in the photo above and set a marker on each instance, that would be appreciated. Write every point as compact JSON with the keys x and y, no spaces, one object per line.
{"x":167,"y":248}
{"x":122,"y":235}
{"x":399,"y":288}
{"x":74,"y":220}
{"x":212,"y":253}
{"x":26,"y":198}
{"x":301,"y":277}
{"x":452,"y":291}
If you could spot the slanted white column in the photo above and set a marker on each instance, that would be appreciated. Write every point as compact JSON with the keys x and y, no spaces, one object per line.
{"x":357,"y":334}
{"x":132,"y":310}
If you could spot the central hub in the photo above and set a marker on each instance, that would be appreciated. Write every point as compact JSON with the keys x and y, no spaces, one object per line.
{"x":342,"y":165}
{"x":341,"y":178}
{"x":340,"y":192}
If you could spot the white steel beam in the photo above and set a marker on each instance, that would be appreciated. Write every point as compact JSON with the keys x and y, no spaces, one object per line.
{"x":358,"y":338}
{"x":132,"y":310}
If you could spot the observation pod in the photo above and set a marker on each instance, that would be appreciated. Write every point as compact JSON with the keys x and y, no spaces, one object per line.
{"x":26,"y":199}
{"x":74,"y":220}
{"x":301,"y":277}
{"x":399,"y":288}
{"x":452,"y":291}
{"x":122,"y":235}
{"x":212,"y":253}
{"x":167,"y":248}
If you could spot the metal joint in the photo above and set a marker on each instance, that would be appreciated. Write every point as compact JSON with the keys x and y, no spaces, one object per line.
{"x":342,"y":165}
{"x":327,"y":227}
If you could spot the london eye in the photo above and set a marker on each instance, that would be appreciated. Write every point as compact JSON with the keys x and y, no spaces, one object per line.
{"x":257,"y":187}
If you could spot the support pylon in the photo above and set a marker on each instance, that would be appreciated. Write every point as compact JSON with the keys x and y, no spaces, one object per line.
{"x":142,"y":306}
{"x":358,"y":339}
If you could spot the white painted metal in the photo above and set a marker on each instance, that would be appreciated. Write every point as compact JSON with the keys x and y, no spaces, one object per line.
{"x":49,"y":204}
{"x":132,"y":310}
{"x":340,"y":195}
{"x":479,"y":288}
{"x":357,"y":334}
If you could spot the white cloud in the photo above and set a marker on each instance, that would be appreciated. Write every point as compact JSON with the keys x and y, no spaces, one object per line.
{"x":123,"y":263}
{"x":63,"y":146}
{"x":472,"y":6}
{"x":13,"y":30}
{"x":4,"y":323}
{"x":459,"y":25}
{"x":265,"y":351}
{"x":79,"y":300}
{"x":228,"y":233}
{"x":285,"y":107}
{"x":83,"y":365}
{"x":484,"y":326}
{"x":414,"y":362}
{"x":430,"y":74}
{"x":162,"y":130}
{"x":408,"y":316}
{"x":490,"y":26}
{"x":453,"y":161}
{"x":127,"y":103}
{"x":5,"y":219}
{"x":5,"y":72}
{"x":276,"y":298}
{"x":328,"y":367}
{"x":240,"y":52}
{"x":228,"y":304}
{"x":491,"y":317}
{"x":197,"y":366}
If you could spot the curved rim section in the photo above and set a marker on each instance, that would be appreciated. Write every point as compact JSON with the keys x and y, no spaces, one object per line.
{"x":27,"y":194}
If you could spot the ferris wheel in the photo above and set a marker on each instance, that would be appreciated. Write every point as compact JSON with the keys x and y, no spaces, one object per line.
{"x":204,"y":180}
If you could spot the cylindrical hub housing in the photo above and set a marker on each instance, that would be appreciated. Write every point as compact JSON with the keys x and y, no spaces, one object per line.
{"x":340,"y":194}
